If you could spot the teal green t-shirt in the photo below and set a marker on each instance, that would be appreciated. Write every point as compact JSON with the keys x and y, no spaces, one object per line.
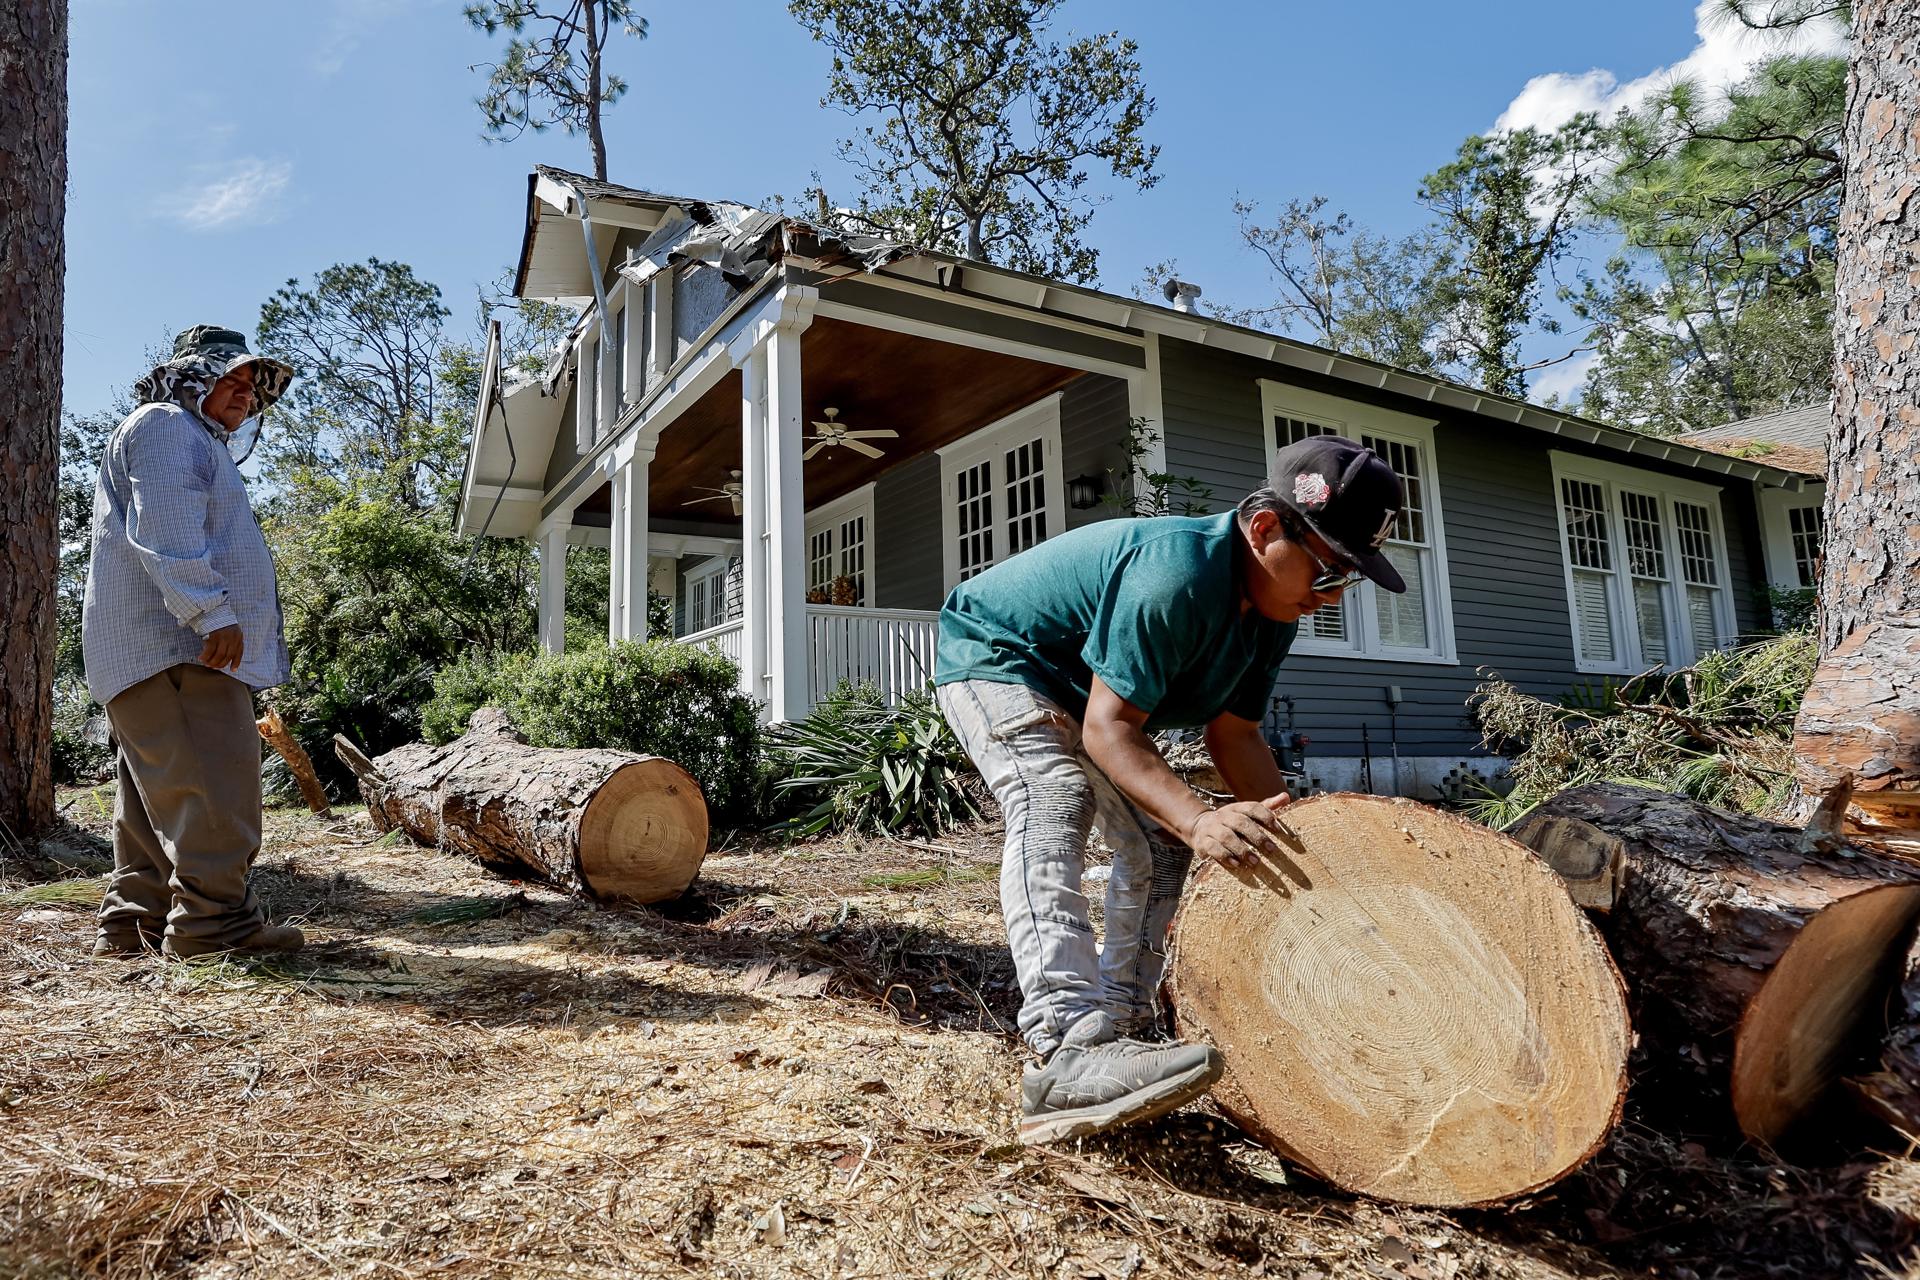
{"x":1151,"y":606}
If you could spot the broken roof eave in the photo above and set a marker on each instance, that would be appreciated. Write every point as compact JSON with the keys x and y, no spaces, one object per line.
{"x":949,"y":274}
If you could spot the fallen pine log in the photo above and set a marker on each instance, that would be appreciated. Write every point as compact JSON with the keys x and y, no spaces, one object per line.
{"x":274,"y":730}
{"x":612,"y":824}
{"x":1891,"y":1090}
{"x":1764,"y":961}
{"x":1410,"y":1005}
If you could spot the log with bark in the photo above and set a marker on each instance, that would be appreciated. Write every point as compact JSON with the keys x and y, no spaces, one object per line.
{"x":612,"y":824}
{"x":1747,"y":951}
{"x":1410,"y":1005}
{"x":274,"y":731}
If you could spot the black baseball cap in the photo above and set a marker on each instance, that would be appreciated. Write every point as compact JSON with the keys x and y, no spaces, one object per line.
{"x":1346,"y":493}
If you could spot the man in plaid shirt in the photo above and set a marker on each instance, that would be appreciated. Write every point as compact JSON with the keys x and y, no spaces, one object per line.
{"x":181,"y":622}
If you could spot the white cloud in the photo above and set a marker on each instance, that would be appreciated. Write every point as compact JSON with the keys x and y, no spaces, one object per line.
{"x":350,"y":22}
{"x":1564,"y":380}
{"x":1724,"y":54}
{"x":240,"y":192}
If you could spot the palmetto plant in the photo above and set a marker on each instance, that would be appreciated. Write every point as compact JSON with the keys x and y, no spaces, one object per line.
{"x":864,"y":766}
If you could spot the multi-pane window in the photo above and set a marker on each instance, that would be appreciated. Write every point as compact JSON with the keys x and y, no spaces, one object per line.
{"x":837,"y":548}
{"x":853,"y":555}
{"x":1026,"y":485}
{"x":1001,"y":490}
{"x":1647,"y":566}
{"x":1367,"y":620}
{"x":1590,"y":551}
{"x":1646,"y":575}
{"x":1803,"y":525}
{"x":713,"y":593}
{"x":973,"y":497}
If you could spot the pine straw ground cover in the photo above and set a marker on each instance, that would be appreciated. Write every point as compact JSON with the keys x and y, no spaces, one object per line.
{"x":802,"y":1070}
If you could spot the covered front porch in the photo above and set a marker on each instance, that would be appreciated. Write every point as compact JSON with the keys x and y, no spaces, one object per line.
{"x":809,"y":559}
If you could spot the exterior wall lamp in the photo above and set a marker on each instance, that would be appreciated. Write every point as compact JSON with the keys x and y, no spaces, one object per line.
{"x":1084,"y":492}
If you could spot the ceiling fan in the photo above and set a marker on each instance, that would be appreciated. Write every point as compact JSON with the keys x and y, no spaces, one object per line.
{"x":730,"y":491}
{"x":833,"y":433}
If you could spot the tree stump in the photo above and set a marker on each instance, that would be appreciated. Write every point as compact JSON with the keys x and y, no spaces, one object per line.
{"x":1410,"y":1005}
{"x":612,"y":824}
{"x":1767,"y":963}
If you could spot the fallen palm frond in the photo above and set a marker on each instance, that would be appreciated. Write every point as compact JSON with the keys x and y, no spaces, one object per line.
{"x":1720,"y":731}
{"x":60,"y":893}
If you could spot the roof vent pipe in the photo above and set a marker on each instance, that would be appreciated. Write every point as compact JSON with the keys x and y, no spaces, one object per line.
{"x":1182,"y":295}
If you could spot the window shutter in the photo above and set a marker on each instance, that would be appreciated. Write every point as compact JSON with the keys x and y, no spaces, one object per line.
{"x":1403,"y":617}
{"x":1593,"y":620}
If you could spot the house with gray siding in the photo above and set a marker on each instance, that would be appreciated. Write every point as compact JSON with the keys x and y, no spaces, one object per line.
{"x":804,"y":440}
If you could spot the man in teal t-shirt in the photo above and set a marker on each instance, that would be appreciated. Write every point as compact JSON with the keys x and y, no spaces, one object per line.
{"x":1052,"y":669}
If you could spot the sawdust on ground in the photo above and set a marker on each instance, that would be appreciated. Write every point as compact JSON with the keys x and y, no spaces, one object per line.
{"x":804,"y":1069}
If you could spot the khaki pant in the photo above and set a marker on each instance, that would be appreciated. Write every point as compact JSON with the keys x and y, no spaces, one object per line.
{"x":186,"y":820}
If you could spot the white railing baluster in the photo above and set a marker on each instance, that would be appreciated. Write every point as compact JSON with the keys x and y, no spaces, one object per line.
{"x":891,"y":649}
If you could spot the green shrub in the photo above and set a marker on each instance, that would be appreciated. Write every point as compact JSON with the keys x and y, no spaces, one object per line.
{"x":657,"y":698}
{"x":864,"y":766}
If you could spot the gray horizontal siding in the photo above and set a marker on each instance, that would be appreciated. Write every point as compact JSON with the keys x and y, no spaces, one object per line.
{"x":1093,"y":434}
{"x":1504,"y":566}
{"x":908,"y":573}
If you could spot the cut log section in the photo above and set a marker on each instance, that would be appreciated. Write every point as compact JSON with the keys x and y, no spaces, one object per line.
{"x":1892,"y":1091}
{"x":1747,"y":951}
{"x":1410,"y":1005}
{"x":612,"y":824}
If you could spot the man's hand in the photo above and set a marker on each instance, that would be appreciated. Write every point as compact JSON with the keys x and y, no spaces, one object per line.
{"x":223,"y":649}
{"x":1236,"y":835}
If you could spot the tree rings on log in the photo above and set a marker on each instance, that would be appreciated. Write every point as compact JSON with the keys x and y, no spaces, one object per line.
{"x":1410,"y":1005}
{"x":644,"y":832}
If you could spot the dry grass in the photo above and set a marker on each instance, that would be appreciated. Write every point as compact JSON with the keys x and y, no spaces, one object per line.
{"x":804,"y":1070}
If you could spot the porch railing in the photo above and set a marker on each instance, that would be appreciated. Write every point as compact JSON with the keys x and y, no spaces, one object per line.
{"x":724,"y":639}
{"x":891,"y":649}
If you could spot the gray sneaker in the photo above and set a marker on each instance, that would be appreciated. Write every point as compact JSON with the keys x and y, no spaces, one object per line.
{"x":1096,"y":1080}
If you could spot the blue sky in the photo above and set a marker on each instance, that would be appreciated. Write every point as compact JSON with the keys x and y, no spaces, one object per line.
{"x":218,"y":150}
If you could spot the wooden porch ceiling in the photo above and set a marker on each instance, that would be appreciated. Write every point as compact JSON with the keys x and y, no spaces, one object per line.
{"x":932,"y":393}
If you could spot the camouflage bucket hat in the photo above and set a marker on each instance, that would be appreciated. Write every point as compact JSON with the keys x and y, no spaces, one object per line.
{"x":202,"y":356}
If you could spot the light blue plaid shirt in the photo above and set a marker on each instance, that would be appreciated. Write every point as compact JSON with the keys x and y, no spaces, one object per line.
{"x":177,"y":554}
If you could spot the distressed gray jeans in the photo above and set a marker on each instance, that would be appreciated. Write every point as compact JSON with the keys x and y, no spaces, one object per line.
{"x":1029,"y":751}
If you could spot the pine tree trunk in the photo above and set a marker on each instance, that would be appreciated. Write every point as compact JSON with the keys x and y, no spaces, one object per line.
{"x":596,"y":75}
{"x":1862,"y":714}
{"x":33,"y":189}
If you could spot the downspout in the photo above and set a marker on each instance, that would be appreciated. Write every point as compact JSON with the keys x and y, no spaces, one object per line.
{"x":593,"y":262}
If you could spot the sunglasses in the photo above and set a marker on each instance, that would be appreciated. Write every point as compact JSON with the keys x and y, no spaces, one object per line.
{"x":1330,"y":578}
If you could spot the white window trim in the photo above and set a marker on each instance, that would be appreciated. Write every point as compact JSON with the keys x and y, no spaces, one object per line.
{"x":1668,"y":490}
{"x":828,"y":516}
{"x":1353,"y":419}
{"x":1782,"y":568}
{"x":708,"y":570}
{"x":586,"y":430}
{"x":1041,"y":418}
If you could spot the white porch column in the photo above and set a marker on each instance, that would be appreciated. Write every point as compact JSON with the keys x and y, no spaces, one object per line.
{"x":753,"y":518}
{"x":787,"y":660}
{"x":634,"y":562}
{"x":1144,"y":402}
{"x":616,"y":554}
{"x":552,"y":611}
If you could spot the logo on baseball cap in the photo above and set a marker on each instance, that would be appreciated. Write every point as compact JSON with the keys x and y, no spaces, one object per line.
{"x":1346,"y":493}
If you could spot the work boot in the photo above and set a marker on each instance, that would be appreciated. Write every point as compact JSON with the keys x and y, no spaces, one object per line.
{"x":267,"y":938}
{"x":1098,"y":1080}
{"x":119,"y":946}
